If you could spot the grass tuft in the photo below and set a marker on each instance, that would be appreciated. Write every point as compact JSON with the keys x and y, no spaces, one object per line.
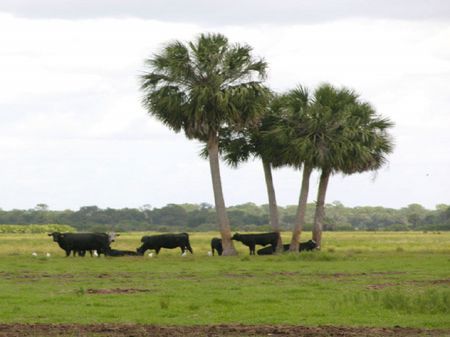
{"x":80,"y":291}
{"x":164,"y":303}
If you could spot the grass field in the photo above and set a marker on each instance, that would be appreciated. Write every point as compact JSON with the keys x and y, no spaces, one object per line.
{"x":377,"y":279}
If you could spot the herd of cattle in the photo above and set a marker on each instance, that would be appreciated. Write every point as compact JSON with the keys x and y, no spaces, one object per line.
{"x":100,"y":243}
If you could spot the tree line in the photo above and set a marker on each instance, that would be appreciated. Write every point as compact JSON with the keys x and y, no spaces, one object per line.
{"x":245,"y":217}
{"x":214,"y":92}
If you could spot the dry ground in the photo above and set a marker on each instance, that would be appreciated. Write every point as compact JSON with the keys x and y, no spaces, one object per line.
{"x":136,"y":330}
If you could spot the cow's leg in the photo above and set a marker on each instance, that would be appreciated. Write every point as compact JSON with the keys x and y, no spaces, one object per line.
{"x":189,"y":248}
{"x":68,"y":252}
{"x":157,"y":250}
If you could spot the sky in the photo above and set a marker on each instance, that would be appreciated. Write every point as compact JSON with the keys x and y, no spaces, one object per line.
{"x":73,"y":131}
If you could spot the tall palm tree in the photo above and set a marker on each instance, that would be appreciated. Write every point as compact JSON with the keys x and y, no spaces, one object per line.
{"x":333,"y":131}
{"x":299,"y":152}
{"x":304,"y":127}
{"x":200,"y":87}
{"x":354,"y":139}
{"x":238,"y":146}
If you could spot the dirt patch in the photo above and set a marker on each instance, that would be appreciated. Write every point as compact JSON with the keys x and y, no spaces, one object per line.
{"x":286,"y":273}
{"x":378,"y":273}
{"x":33,"y":275}
{"x":414,"y":282}
{"x":444,"y":281}
{"x":242,"y":275}
{"x":381,"y":286}
{"x":40,"y":275}
{"x":223,"y":330}
{"x":116,"y":291}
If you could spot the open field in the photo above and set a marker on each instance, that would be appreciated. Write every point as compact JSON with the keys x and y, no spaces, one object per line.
{"x":359,"y":279}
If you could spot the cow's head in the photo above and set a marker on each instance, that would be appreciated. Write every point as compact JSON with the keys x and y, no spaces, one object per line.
{"x":312,"y":244}
{"x":235,"y":236}
{"x":112,"y":236}
{"x":56,"y":236}
{"x":140,"y":250}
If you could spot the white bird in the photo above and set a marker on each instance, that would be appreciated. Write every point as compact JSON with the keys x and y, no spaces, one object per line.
{"x":48,"y":255}
{"x":34,"y":254}
{"x":184,"y":253}
{"x":209,"y":254}
{"x":150,"y":254}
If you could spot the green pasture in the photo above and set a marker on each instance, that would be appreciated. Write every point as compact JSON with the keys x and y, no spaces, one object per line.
{"x":358,"y":279}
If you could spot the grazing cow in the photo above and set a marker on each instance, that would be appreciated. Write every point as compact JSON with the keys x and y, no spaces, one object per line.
{"x":117,"y":252}
{"x":216,"y":244}
{"x":263,"y":239}
{"x":170,"y":241}
{"x":304,"y":246}
{"x":82,"y":242}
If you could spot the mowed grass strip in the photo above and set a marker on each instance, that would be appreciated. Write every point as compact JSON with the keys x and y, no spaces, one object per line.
{"x":358,"y":279}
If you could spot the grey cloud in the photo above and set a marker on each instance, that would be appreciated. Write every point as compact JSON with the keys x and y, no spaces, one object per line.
{"x":232,"y":11}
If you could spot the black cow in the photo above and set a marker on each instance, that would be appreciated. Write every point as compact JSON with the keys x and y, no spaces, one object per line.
{"x":263,"y":239}
{"x":117,"y":252}
{"x":170,"y":241}
{"x":111,"y":238}
{"x":307,"y":246}
{"x":216,"y":244}
{"x":82,"y":242}
{"x":304,"y":246}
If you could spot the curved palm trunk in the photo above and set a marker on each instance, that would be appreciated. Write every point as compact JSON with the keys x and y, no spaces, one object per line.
{"x":301,"y":210}
{"x":273,"y":208}
{"x":320,"y":207}
{"x":222,"y":217}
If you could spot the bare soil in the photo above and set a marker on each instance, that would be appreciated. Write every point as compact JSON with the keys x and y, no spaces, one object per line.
{"x":116,"y":291}
{"x":421,"y":282}
{"x":223,"y":330}
{"x":380,"y":273}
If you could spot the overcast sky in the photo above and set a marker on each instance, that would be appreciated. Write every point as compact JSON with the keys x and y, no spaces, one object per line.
{"x":73,"y":132}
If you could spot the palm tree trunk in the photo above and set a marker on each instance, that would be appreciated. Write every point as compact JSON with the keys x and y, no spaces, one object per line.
{"x":320,"y":207}
{"x":222,"y":217}
{"x":273,"y":208}
{"x":301,"y":210}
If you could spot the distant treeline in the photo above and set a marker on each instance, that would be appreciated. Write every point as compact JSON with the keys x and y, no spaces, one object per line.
{"x":34,"y":229}
{"x":245,"y":217}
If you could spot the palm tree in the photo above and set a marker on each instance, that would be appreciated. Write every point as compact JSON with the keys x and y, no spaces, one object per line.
{"x":353,"y":139}
{"x":238,"y":146}
{"x":300,"y":153}
{"x":200,"y":87}
{"x":333,"y":131}
{"x":294,"y":131}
